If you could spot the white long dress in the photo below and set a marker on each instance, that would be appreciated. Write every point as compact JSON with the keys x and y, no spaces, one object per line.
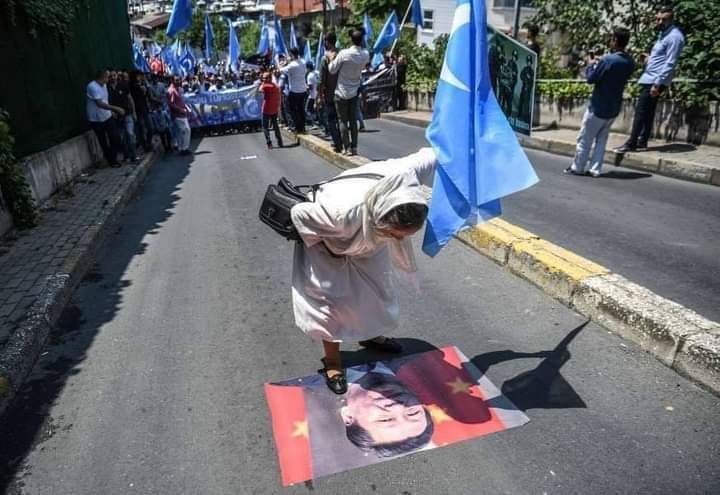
{"x":343,"y":283}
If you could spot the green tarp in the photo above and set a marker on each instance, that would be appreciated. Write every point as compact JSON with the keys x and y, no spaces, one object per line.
{"x":43,"y":77}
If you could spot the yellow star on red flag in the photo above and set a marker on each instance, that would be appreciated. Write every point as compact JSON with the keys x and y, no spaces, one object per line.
{"x":301,"y":429}
{"x":438,"y":414}
{"x":459,"y":386}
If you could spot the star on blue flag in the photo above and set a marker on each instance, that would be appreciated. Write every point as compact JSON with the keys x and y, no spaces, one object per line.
{"x":479,"y":157}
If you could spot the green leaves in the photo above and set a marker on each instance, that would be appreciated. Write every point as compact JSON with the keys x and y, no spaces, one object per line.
{"x":14,"y":186}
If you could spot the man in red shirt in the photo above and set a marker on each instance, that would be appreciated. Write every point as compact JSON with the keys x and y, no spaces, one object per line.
{"x":270,"y":109}
{"x":179,"y":112}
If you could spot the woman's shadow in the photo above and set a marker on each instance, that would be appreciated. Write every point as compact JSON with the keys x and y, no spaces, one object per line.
{"x":542,"y":387}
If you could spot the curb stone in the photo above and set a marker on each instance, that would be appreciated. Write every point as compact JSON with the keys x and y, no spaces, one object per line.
{"x":677,"y":169}
{"x":25,"y":345}
{"x":678,"y":337}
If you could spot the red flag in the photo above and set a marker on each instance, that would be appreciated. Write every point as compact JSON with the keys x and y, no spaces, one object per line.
{"x":291,"y":431}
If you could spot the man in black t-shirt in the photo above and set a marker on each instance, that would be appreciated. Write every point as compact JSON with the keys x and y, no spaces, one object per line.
{"x":139,"y":94}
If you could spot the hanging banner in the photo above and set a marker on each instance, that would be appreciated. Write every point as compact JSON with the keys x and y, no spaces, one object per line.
{"x":512,"y":75}
{"x":228,"y":106}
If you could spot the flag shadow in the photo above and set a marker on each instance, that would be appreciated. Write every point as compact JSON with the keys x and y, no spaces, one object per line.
{"x":542,"y":387}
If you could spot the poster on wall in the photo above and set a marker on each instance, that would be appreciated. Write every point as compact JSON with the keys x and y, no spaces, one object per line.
{"x":391,"y":409}
{"x":513,"y":69}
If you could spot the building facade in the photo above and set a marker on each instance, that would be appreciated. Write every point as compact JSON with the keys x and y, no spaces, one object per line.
{"x":438,"y":16}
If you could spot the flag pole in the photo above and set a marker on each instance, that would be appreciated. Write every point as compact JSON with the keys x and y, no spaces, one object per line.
{"x":392,"y":49}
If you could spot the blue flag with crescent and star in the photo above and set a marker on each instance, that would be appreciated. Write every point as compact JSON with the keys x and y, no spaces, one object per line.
{"x":233,"y":49}
{"x":180,"y":17}
{"x":264,"y":41}
{"x":320,"y":51}
{"x":307,"y":55}
{"x":367,"y":26}
{"x":293,"y":37}
{"x":279,"y":43}
{"x":390,"y":31}
{"x":416,"y":15}
{"x":479,"y":157}
{"x":209,"y":38}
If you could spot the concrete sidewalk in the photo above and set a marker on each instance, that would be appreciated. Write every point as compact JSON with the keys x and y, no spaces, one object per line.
{"x":679,"y":160}
{"x":40,"y":268}
{"x":677,"y":336}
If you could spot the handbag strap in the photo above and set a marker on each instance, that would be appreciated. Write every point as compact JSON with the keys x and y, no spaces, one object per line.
{"x":315,"y":187}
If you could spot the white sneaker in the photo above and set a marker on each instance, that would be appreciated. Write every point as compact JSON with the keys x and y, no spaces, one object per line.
{"x":594,"y":173}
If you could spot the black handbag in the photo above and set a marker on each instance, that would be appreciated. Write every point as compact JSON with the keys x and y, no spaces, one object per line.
{"x":281,"y":197}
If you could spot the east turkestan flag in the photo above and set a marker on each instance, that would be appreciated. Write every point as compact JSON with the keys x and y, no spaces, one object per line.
{"x":479,"y":157}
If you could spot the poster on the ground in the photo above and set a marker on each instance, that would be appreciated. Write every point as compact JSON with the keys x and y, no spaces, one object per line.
{"x":513,"y":67}
{"x":230,"y":106}
{"x":391,"y":409}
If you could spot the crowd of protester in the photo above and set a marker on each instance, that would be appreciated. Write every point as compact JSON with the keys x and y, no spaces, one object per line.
{"x":128,"y":109}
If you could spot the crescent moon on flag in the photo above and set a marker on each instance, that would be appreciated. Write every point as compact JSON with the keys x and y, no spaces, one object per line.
{"x":461,"y":17}
{"x":391,"y":30}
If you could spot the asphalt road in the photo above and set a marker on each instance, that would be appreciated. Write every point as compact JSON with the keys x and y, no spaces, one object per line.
{"x":153,"y":383}
{"x":661,"y":233}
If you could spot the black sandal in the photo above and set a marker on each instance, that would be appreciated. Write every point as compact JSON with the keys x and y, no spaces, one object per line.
{"x":388,"y":345}
{"x":336,"y":383}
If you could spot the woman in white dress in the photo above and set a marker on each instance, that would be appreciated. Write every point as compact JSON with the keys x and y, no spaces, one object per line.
{"x":353,"y":235}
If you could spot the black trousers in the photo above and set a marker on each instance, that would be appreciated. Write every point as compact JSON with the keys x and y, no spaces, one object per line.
{"x":108,"y":138}
{"x":296,"y":102}
{"x":271,"y":121}
{"x":347,"y":115}
{"x":644,"y":117}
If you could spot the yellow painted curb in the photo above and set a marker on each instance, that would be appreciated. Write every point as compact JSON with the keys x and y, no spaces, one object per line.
{"x":559,"y":260}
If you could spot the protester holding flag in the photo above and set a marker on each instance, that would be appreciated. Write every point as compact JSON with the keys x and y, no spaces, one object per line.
{"x":348,"y":65}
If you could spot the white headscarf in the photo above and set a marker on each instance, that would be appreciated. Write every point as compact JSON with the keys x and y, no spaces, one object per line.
{"x":388,"y":193}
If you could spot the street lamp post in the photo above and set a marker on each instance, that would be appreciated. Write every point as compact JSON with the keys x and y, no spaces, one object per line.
{"x":516,"y":20}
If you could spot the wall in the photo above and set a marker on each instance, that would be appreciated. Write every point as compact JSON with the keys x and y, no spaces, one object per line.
{"x":43,"y":76}
{"x":50,"y":170}
{"x":670,"y":123}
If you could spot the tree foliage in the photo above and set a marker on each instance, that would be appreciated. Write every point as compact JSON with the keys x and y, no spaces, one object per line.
{"x":14,"y":186}
{"x":584,"y":25}
{"x":56,"y":16}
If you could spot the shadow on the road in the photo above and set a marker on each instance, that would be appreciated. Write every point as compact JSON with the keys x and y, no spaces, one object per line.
{"x":542,"y":387}
{"x":362,"y":356}
{"x":28,"y":422}
{"x":369,"y":131}
{"x":673,"y":148}
{"x":617,"y":174}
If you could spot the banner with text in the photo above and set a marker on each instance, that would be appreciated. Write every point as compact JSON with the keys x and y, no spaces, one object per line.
{"x":229,"y":106}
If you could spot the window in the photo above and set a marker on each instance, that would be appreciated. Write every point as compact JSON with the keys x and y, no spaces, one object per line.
{"x":427,"y":20}
{"x":510,"y":4}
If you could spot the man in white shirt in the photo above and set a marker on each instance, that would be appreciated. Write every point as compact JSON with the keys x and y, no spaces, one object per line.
{"x":348,"y":65}
{"x":312,"y":85}
{"x":295,"y":71}
{"x":99,"y":115}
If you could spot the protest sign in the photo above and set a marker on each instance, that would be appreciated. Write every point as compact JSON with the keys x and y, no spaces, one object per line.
{"x":512,"y":75}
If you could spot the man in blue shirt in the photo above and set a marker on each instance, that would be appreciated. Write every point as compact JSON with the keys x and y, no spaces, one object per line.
{"x":656,"y":77}
{"x":609,"y":74}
